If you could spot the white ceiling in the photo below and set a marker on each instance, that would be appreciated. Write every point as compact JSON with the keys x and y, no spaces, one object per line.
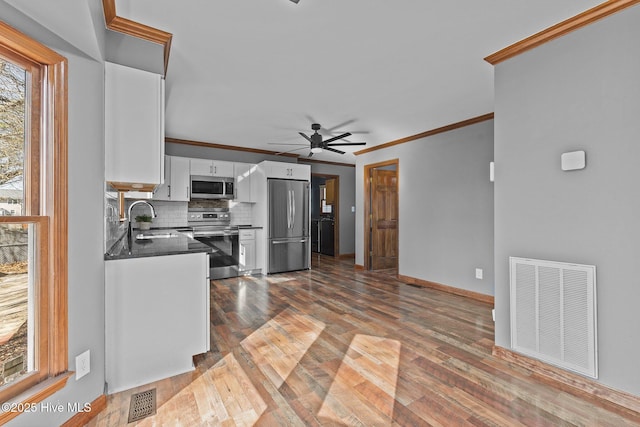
{"x":253,"y":72}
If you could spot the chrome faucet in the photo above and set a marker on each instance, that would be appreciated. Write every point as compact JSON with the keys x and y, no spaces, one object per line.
{"x":129,"y":219}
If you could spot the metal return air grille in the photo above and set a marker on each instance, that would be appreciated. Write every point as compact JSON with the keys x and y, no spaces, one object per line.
{"x":142,"y":405}
{"x":553,"y":313}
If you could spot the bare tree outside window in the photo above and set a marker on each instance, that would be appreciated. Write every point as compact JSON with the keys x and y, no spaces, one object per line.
{"x":14,"y":238}
{"x":12,"y":124}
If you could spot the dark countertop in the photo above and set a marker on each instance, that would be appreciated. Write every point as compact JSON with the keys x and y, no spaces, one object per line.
{"x":179,"y":244}
{"x":249,"y":227}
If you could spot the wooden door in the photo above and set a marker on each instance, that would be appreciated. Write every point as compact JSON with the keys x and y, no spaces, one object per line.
{"x":384,"y":219}
{"x":330,"y":185}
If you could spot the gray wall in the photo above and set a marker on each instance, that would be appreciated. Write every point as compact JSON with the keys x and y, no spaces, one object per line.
{"x":197,"y":151}
{"x":86,"y":182}
{"x":346,"y":173}
{"x":446,"y":207}
{"x":580,"y":92}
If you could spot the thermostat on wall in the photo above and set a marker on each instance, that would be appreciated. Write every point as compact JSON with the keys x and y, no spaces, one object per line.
{"x":573,"y":160}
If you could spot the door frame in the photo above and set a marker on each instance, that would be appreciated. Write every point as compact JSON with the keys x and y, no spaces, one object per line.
{"x":368,"y":172}
{"x":336,"y":212}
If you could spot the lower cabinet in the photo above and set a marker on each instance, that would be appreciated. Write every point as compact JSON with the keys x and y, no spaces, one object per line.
{"x":156,"y":317}
{"x":247,"y":242}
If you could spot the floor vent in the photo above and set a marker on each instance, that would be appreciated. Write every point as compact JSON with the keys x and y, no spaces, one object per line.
{"x":142,"y":405}
{"x":553,"y":313}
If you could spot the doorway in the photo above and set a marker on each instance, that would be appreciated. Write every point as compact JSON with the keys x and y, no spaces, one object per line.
{"x":325,"y":214}
{"x":381,"y":216}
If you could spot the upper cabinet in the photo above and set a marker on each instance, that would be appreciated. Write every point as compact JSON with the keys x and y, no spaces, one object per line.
{"x":330,"y":197}
{"x":176,"y":180}
{"x":134,"y":128}
{"x":212,"y":168}
{"x":287,"y":170}
{"x":244,"y":177}
{"x":163,"y":192}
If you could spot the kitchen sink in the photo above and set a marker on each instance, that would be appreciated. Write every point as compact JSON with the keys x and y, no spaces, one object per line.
{"x":147,"y":236}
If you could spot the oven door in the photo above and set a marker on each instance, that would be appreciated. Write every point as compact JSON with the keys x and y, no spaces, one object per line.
{"x":224,"y":255}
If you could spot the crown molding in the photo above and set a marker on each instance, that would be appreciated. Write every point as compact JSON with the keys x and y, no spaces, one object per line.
{"x":582,"y":20}
{"x":324,"y":162}
{"x":425,"y":134}
{"x":226,"y":147}
{"x":136,"y":29}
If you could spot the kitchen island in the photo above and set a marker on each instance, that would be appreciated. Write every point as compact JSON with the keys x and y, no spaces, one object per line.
{"x":156,"y":308}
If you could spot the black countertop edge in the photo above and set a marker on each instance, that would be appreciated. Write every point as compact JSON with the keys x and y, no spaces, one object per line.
{"x":249,"y":227}
{"x":181,"y":244}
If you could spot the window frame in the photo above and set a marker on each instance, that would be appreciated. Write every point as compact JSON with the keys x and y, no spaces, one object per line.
{"x":45,"y":204}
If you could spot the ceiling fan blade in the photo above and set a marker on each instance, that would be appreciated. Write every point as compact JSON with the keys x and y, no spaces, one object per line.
{"x":341,"y":125}
{"x":347,"y":143}
{"x":306,"y":137}
{"x":310,"y":154}
{"x":335,"y":138}
{"x":334,"y":150}
{"x":286,"y":143}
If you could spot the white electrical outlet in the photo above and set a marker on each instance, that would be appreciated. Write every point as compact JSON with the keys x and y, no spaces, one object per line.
{"x":478,"y":273}
{"x":83,"y":364}
{"x":493,"y":314}
{"x":353,"y":208}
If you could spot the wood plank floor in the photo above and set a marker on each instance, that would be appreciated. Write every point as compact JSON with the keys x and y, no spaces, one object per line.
{"x":337,"y":347}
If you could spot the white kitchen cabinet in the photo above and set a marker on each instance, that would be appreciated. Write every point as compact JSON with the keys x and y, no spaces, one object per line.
{"x":176,"y":180}
{"x":287,"y":170}
{"x":243,"y":173}
{"x":180,"y":179}
{"x":212,"y":168}
{"x":156,"y":317}
{"x":134,"y":127}
{"x":247,"y":258}
{"x":162,"y":191}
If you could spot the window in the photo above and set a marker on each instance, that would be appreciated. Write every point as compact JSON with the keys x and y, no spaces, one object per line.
{"x":33,"y":241}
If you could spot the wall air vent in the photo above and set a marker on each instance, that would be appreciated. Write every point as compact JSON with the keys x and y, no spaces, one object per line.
{"x":553,"y":313}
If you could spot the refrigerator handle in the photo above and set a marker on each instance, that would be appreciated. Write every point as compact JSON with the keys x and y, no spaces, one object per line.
{"x":293,"y":209}
{"x":288,"y":209}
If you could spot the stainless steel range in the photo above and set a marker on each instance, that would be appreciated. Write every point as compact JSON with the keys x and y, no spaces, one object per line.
{"x":212,"y":226}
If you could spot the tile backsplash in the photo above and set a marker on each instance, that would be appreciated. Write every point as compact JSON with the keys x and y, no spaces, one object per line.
{"x":241,"y":213}
{"x":169,"y":214}
{"x":113,"y":228}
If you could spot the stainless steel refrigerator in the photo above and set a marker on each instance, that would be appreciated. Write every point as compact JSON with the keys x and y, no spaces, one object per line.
{"x":288,"y":234}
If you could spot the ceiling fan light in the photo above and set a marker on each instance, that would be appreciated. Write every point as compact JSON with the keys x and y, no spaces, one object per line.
{"x":316,"y":150}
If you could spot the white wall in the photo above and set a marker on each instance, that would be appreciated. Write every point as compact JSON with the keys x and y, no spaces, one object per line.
{"x":579,"y":92}
{"x":445,"y":207}
{"x":86,"y":181}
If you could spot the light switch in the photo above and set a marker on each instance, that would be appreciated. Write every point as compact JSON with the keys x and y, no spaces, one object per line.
{"x":573,"y":160}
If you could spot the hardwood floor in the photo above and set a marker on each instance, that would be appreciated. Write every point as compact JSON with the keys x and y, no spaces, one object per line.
{"x":336,"y":346}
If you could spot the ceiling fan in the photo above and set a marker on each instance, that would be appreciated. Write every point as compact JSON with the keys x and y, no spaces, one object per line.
{"x":317,"y":144}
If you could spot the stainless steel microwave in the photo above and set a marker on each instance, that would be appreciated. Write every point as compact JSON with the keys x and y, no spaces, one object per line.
{"x":212,"y":187}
